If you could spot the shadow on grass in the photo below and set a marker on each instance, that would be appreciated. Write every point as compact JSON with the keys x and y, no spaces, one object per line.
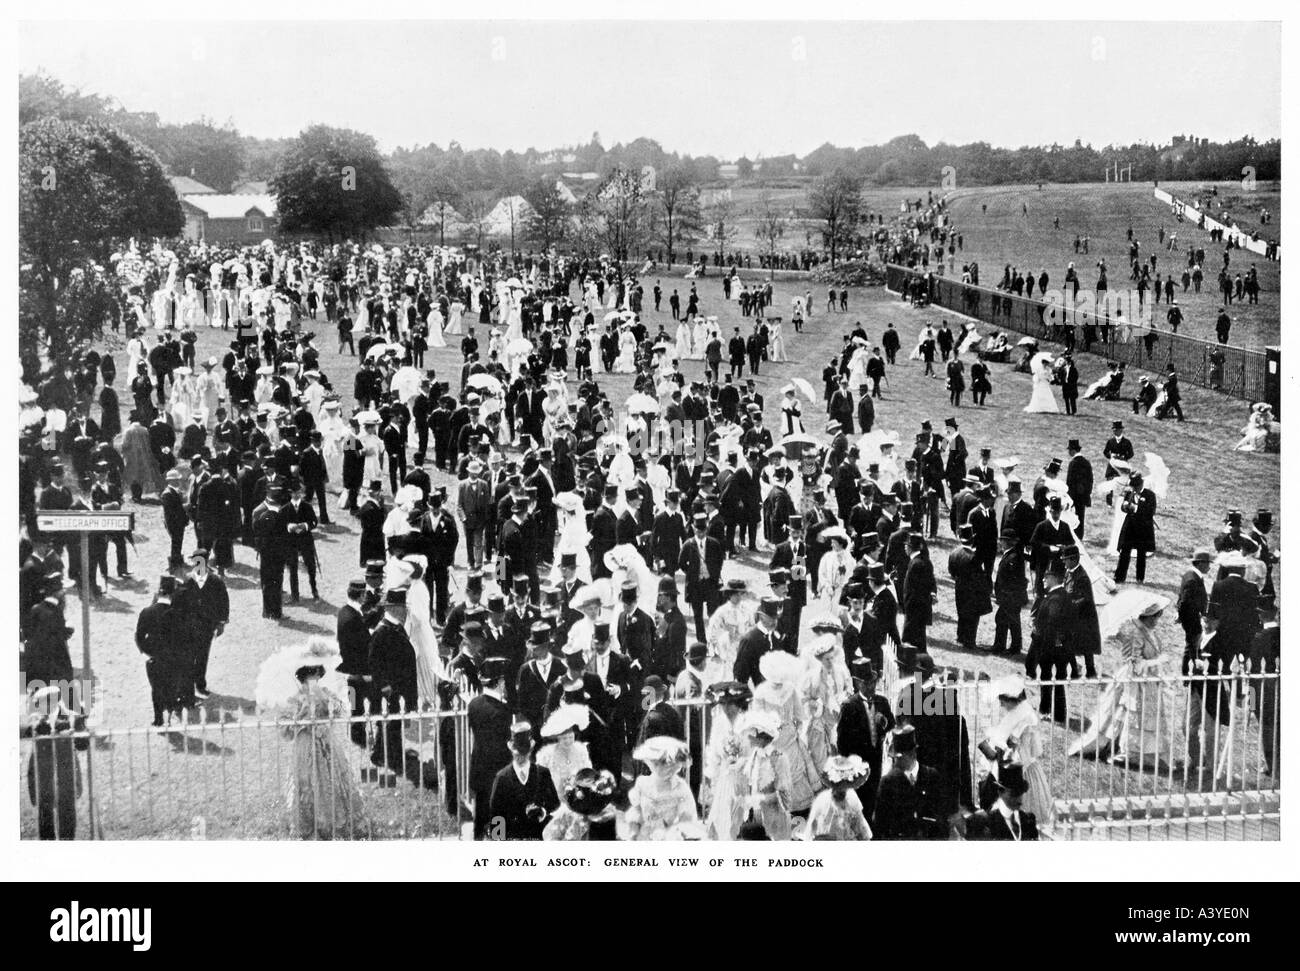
{"x":185,"y":744}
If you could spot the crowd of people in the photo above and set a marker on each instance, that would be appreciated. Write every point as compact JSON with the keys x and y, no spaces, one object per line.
{"x":618,"y":677}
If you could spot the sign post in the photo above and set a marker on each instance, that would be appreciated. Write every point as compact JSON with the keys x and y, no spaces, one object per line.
{"x":85,"y":523}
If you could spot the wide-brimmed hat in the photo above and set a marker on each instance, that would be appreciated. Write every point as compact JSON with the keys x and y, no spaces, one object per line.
{"x":590,"y":791}
{"x":662,"y":748}
{"x":728,"y":693}
{"x":761,"y":723}
{"x":780,"y":667}
{"x":846,"y":768}
{"x":566,"y":718}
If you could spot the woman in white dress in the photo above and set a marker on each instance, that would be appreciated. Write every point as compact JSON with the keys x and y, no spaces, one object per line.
{"x":836,"y":813}
{"x":1017,"y":738}
{"x":699,"y":338}
{"x":626,"y":362}
{"x":835,"y":568}
{"x":455,"y":312}
{"x":725,"y":757}
{"x":434,"y":324}
{"x":419,"y":630}
{"x":372,"y":449}
{"x":779,"y":695}
{"x":1043,"y":399}
{"x":684,"y":348}
{"x":791,"y":412}
{"x":184,"y":398}
{"x":1136,"y":721}
{"x":135,"y":356}
{"x":927,"y":333}
{"x":776,"y":347}
{"x":661,"y":803}
{"x":826,"y":686}
{"x":1256,"y":430}
{"x":769,"y":785}
{"x":562,"y":755}
{"x":333,"y":430}
{"x":728,"y":624}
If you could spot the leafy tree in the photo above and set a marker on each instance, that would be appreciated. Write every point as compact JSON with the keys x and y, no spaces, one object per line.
{"x":477,"y":207}
{"x":836,"y":200}
{"x":214,"y":156}
{"x":82,"y":189}
{"x":444,"y":195}
{"x":549,"y":212}
{"x":677,"y":204}
{"x":621,"y":213}
{"x":333,"y":181}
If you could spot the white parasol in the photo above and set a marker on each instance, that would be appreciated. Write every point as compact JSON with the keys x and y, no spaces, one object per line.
{"x":807,"y":389}
{"x":1026,"y":342}
{"x":406,"y":382}
{"x":484,"y":382}
{"x":640,"y":404}
{"x":378,"y":350}
{"x":520,"y":345}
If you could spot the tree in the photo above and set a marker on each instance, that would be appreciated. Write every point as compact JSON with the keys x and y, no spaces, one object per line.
{"x":333,"y":181}
{"x":83,"y":188}
{"x":214,"y":156}
{"x":836,"y":200}
{"x":444,"y":196}
{"x":720,"y":228}
{"x":621,"y":213}
{"x":549,"y":212}
{"x":677,"y":201}
{"x":477,"y":207}
{"x":772,"y":223}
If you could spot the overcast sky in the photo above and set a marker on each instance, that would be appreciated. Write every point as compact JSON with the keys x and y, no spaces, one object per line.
{"x":726,"y":89}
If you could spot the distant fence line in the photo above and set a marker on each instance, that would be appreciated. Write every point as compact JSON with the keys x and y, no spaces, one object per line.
{"x":1240,"y":373}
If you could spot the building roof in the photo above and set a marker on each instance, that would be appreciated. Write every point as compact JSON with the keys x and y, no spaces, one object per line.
{"x":232,"y":205}
{"x":251,"y":188}
{"x":186,"y":186}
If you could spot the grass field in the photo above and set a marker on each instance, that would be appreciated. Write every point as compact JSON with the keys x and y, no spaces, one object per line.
{"x":1206,"y":477}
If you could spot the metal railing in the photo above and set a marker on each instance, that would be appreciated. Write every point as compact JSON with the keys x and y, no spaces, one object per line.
{"x":1236,"y":371}
{"x":1167,"y":764}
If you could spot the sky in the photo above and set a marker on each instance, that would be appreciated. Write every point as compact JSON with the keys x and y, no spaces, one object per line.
{"x":703,"y":88}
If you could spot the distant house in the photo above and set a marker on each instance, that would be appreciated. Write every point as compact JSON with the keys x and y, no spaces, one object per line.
{"x":565,"y":192}
{"x":498,"y":221}
{"x":251,"y":189}
{"x":580,"y":176}
{"x":729,"y":170}
{"x":229,"y":217}
{"x":186,"y":186}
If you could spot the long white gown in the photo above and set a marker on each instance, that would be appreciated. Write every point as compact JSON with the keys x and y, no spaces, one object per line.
{"x":684,"y":348}
{"x":700,"y":339}
{"x":457,"y":310}
{"x":626,"y":363}
{"x":776,"y":346}
{"x":434,"y":322}
{"x":1043,"y":399}
{"x":725,"y":759}
{"x":1017,"y":734}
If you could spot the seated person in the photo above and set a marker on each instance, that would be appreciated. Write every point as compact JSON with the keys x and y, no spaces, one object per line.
{"x":1145,"y":397}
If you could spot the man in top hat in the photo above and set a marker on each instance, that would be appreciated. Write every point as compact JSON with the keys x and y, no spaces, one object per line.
{"x":1078,"y":482}
{"x":1069,"y":378}
{"x":568,"y":586}
{"x":1051,"y":648}
{"x":353,"y":636}
{"x":863,"y":728}
{"x":1117,"y":447}
{"x":523,"y":794}
{"x":1011,"y":591}
{"x":203,"y":603}
{"x":536,"y":678}
{"x":661,"y":717}
{"x":667,"y":534}
{"x":394,"y":683}
{"x":1048,"y":539}
{"x":756,"y":642}
{"x":443,"y":538}
{"x":474,"y":500}
{"x":1138,"y":531}
{"x":791,"y":555}
{"x":271,"y":536}
{"x":489,"y":720}
{"x":159,"y":636}
{"x":604,"y":532}
{"x":635,"y":630}
{"x":1086,"y":636}
{"x":1264,"y":659}
{"x":1007,"y":820}
{"x":370,"y":515}
{"x":972,"y":589}
{"x":301,"y":523}
{"x":1018,"y":516}
{"x":919,"y":593}
{"x":1052,"y":473}
{"x":701,"y":560}
{"x":909,"y":799}
{"x":1261,"y":524}
{"x":45,"y":655}
{"x":668,"y":653}
{"x":1192,"y":606}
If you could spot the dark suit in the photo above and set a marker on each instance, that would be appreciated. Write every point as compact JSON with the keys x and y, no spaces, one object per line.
{"x":510,"y":802}
{"x":489,"y":726}
{"x":918,"y":587}
{"x":1078,"y":484}
{"x":910,"y":811}
{"x":391,"y":664}
{"x":604,"y":537}
{"x":863,"y":734}
{"x":354,"y":649}
{"x":1000,"y":829}
{"x":701,"y":590}
{"x":753,"y":645}
{"x":532,"y":690}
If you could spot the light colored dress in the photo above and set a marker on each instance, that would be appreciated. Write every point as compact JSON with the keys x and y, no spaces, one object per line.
{"x":832,"y":820}
{"x":725,"y":767}
{"x":824,"y":692}
{"x":626,"y":362}
{"x":434,"y":322}
{"x":805,"y":775}
{"x":725,"y":629}
{"x":1017,"y":733}
{"x":776,"y":341}
{"x":1042,"y":400}
{"x":1141,"y":723}
{"x":768,"y":787}
{"x":656,"y":811}
{"x":563,"y":760}
{"x":323,"y":800}
{"x":684,"y":348}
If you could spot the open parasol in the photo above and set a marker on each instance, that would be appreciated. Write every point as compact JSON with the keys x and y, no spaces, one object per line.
{"x":484,"y":382}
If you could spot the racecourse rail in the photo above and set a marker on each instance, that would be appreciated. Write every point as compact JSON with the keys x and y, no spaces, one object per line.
{"x":1244,"y":372}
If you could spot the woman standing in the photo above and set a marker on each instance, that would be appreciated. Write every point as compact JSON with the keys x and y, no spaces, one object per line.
{"x":826,"y":687}
{"x":767,"y":777}
{"x":586,"y":811}
{"x":777,"y":341}
{"x":1016,"y":739}
{"x":779,"y":695}
{"x":661,"y":802}
{"x":302,"y":683}
{"x":835,"y":568}
{"x":1042,"y":398}
{"x":563,"y":755}
{"x":725,"y":760}
{"x":837,"y":812}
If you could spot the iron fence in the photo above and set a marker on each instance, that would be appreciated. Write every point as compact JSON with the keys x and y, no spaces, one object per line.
{"x":1142,"y":757}
{"x":1088,"y":326}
